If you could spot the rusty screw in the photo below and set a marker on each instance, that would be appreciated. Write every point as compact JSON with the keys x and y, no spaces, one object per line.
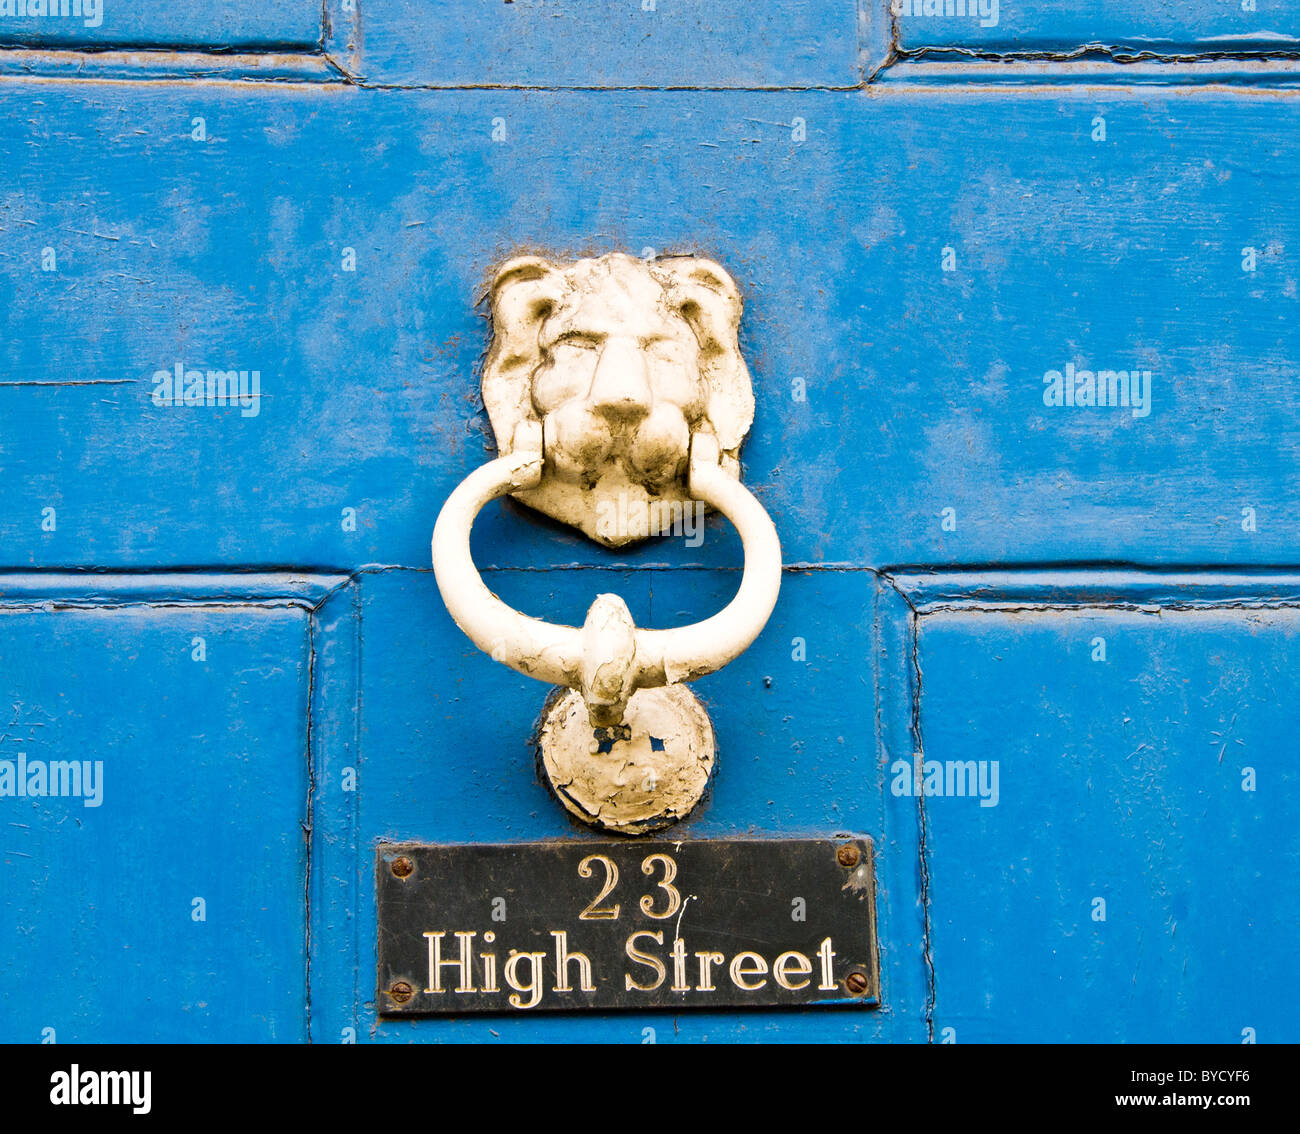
{"x":401,"y":992}
{"x":856,"y":982}
{"x":402,"y":867}
{"x":848,"y":855}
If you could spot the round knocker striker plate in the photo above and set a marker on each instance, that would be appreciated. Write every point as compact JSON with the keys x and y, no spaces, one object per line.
{"x":653,"y":768}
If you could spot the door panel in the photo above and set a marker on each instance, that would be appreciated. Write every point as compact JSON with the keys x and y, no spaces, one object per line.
{"x":155,"y":891}
{"x":796,"y":754}
{"x":922,"y":389}
{"x":569,"y":43}
{"x":1128,"y":877}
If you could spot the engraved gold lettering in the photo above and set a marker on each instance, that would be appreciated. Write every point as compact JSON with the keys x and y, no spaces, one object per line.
{"x":648,"y":959}
{"x":670,"y":872}
{"x":563,"y":958}
{"x":707,"y":961}
{"x":827,"y":955}
{"x":745,"y":965}
{"x":465,"y":983}
{"x":533,"y":987}
{"x":780,"y":970}
{"x":595,"y":912}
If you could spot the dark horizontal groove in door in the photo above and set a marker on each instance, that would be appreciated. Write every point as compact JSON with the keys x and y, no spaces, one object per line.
{"x":1063,"y":588}
{"x":187,"y":47}
{"x":947,"y":69}
{"x":234,"y":573}
{"x":132,"y":64}
{"x":166,"y":587}
{"x":148,"y":64}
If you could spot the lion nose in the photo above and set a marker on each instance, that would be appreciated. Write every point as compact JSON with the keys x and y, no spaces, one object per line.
{"x":620,"y":388}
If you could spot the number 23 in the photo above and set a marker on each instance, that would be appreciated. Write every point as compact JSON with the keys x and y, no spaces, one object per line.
{"x":596,"y":912}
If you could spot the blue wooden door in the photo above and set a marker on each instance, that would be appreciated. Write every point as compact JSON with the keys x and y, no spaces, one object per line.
{"x":1021,"y":302}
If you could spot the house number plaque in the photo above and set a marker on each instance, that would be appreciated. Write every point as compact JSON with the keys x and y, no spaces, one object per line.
{"x":616,"y":924}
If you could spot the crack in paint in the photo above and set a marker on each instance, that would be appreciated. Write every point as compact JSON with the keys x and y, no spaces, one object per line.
{"x":923,"y":855}
{"x":69,"y":381}
{"x":308,"y":825}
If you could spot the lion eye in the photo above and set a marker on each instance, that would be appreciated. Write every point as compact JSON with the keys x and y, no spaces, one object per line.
{"x":577,"y":340}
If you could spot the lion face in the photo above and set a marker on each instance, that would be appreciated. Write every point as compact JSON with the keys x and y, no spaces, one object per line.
{"x":621,"y":361}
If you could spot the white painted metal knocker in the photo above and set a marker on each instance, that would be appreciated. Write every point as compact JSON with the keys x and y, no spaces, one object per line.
{"x":620,"y":387}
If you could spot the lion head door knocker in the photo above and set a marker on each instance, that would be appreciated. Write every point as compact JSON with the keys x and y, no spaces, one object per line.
{"x":615,"y":386}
